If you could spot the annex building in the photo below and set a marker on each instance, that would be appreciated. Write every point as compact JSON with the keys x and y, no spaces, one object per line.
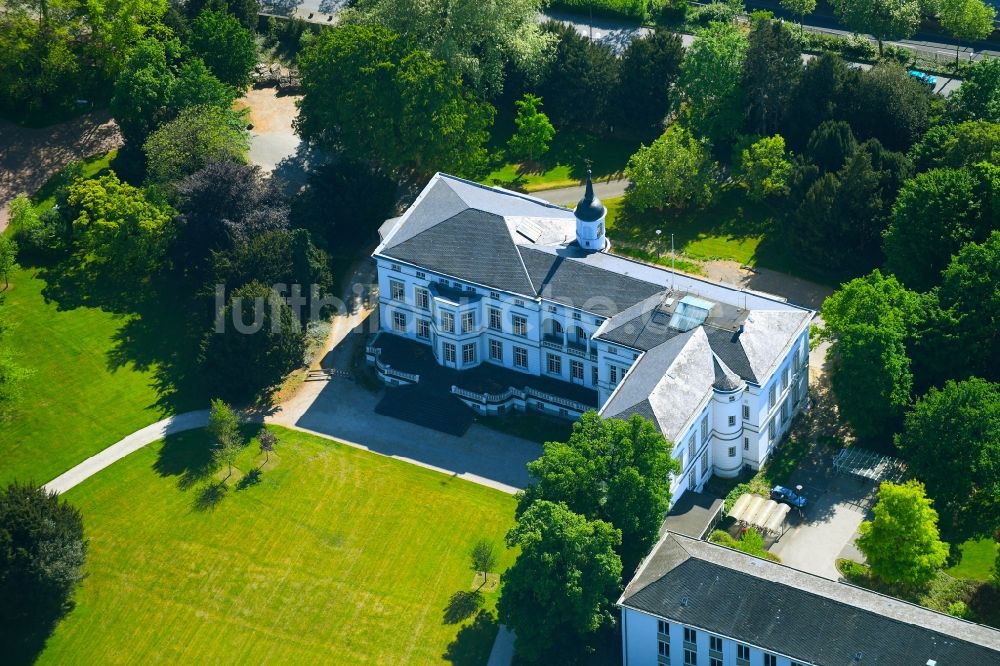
{"x":509,"y":302}
{"x":696,"y":603}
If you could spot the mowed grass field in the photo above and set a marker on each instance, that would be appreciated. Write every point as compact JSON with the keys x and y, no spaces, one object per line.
{"x":76,"y":402}
{"x":336,"y":555}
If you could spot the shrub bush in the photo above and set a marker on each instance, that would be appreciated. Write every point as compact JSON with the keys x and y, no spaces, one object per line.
{"x":702,"y":15}
{"x":634,"y":9}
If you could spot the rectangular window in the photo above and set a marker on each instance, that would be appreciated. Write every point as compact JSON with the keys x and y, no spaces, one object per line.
{"x":714,"y":661}
{"x":495,"y":295}
{"x":612,"y":350}
{"x":690,"y":635}
{"x":594,"y":375}
{"x":447,"y":322}
{"x":468,"y":321}
{"x":576,"y":370}
{"x":690,"y":657}
{"x":613,"y":374}
{"x":746,"y":411}
{"x":732,"y":420}
{"x":554,"y":364}
{"x":691,"y":448}
{"x":469,"y":353}
{"x":663,"y":653}
{"x":770,"y":660}
{"x":421,"y":275}
{"x":772,"y":431}
{"x":496,"y":350}
{"x":771,"y":397}
{"x":518,"y":302}
{"x":742,"y":655}
{"x":449,"y":352}
{"x":552,"y":308}
{"x":520,"y":357}
{"x":520,"y":325}
{"x":784,"y":411}
{"x":732,"y":451}
{"x":397,"y":291}
{"x":496,"y":323}
{"x":399,"y":321}
{"x":423,"y":329}
{"x":704,"y":429}
{"x":663,"y":628}
{"x":423,"y":298}
{"x":786,"y":379}
{"x":715,"y":643}
{"x":395,"y":267}
{"x":704,"y":465}
{"x":576,"y":315}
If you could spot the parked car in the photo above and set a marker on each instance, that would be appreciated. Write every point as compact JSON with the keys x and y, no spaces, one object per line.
{"x":788,"y":496}
{"x":924,"y":77}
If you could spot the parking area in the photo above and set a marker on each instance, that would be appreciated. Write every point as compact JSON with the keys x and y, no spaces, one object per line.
{"x":825,"y":530}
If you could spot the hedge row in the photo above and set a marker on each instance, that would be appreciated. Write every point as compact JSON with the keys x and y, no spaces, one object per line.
{"x":633,"y":9}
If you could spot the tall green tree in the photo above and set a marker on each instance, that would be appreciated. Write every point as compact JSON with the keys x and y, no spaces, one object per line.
{"x":117,"y":229}
{"x":958,"y":145}
{"x":889,"y":105}
{"x":197,"y":136}
{"x":771,"y":73}
{"x":710,"y":83}
{"x":883,"y":19}
{"x":823,"y":89}
{"x":578,"y":85}
{"x":902,"y":543}
{"x":224,"y":426}
{"x":765,"y":169}
{"x":978,"y":98}
{"x":612,"y":470}
{"x":951,"y":442}
{"x":800,"y":8}
{"x":970,"y":295}
{"x":649,"y":68}
{"x":561,"y":588}
{"x":42,"y":551}
{"x":8,"y":258}
{"x":480,"y":40}
{"x":366,"y":94}
{"x":533,"y":131}
{"x":255,"y":342}
{"x":675,"y":171}
{"x":935,"y":214}
{"x":871,"y":378}
{"x":966,"y":20}
{"x":227,"y":48}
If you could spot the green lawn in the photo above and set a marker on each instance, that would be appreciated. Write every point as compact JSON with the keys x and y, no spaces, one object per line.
{"x":76,"y":402}
{"x":565,"y":165}
{"x":91,"y":167}
{"x":978,"y":559}
{"x":102,"y":367}
{"x":336,"y":555}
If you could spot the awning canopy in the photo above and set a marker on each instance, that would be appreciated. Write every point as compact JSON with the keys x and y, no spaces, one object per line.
{"x":764,"y":515}
{"x":866,"y":464}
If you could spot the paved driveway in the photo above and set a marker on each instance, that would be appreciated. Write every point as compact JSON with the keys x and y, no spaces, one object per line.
{"x":828,"y":529}
{"x":346,"y":410}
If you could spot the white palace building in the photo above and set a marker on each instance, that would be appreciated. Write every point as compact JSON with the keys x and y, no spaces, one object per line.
{"x":507,"y":302}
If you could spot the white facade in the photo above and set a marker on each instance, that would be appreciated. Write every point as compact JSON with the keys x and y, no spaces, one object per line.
{"x":566,"y":330}
{"x":644,"y":643}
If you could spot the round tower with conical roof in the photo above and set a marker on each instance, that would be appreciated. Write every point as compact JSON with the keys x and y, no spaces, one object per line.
{"x":727,"y":422}
{"x":590,"y":213}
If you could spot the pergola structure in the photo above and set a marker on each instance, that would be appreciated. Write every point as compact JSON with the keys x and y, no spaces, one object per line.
{"x":764,"y":515}
{"x":865,"y":464}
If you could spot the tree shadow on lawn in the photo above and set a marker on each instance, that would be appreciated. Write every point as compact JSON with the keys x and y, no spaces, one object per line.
{"x":462,"y":605}
{"x":474,"y":641}
{"x":24,"y":639}
{"x":209,"y":496}
{"x":189,"y":455}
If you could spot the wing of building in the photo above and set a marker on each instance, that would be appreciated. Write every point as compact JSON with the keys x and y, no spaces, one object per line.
{"x":515,"y":303}
{"x":693,"y":602}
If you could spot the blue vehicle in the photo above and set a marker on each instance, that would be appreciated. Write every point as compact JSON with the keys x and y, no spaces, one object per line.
{"x":787,"y":496}
{"x":924,"y":77}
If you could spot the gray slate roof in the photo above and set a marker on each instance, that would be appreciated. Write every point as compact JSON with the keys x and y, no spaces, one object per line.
{"x":792,"y":613}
